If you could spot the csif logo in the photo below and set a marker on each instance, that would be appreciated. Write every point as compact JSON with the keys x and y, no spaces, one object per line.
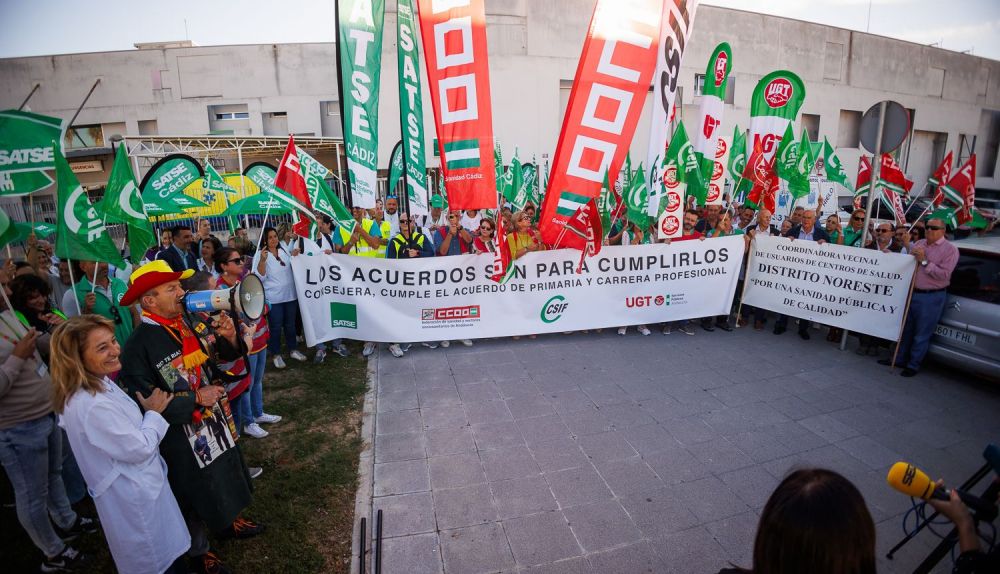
{"x":553,"y":309}
{"x":778,"y":92}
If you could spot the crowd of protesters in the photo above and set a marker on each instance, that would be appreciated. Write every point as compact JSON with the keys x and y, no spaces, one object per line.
{"x":105,"y":389}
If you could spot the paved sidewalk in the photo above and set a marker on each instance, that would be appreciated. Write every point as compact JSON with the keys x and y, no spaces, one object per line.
{"x":594,"y":453}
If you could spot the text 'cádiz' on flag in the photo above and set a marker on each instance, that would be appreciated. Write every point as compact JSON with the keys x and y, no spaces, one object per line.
{"x":359,"y":47}
{"x":123,"y":204}
{"x":458,"y":75}
{"x":411,"y":109}
{"x":616,"y":66}
{"x":80,"y":233}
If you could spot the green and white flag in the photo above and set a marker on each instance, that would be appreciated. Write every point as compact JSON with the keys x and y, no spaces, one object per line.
{"x":513,"y":182}
{"x":637,"y":199}
{"x":359,"y":45}
{"x":320,"y":195}
{"x":529,"y":177}
{"x":395,"y":169}
{"x":706,"y":139}
{"x":169,"y":177}
{"x":411,"y":109}
{"x":787,"y":156}
{"x":832,"y":166}
{"x":8,"y":232}
{"x":213,"y":181}
{"x":28,"y":141}
{"x":123,"y":204}
{"x":23,"y":182}
{"x":570,"y":203}
{"x":80,"y":233}
{"x":680,"y":153}
{"x":804,"y":164}
{"x":606,"y":205}
{"x":498,"y":171}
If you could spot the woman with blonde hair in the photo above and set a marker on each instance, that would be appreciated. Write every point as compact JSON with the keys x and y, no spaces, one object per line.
{"x":525,"y":238}
{"x":117,"y":447}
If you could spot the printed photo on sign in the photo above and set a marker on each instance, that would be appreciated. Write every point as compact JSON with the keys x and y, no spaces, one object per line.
{"x":214,"y":435}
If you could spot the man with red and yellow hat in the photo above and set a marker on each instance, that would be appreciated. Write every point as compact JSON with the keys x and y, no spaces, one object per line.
{"x":207,"y":475}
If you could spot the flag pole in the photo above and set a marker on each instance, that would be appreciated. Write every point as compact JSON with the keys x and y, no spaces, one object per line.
{"x":72,"y":281}
{"x":93,"y":284}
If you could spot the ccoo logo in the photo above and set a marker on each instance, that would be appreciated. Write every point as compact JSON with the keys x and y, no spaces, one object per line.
{"x":778,"y":92}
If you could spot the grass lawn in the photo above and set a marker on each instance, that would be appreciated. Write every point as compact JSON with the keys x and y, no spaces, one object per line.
{"x":305,"y":496}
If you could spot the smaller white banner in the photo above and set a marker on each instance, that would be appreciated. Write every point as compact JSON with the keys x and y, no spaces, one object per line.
{"x":861,"y":290}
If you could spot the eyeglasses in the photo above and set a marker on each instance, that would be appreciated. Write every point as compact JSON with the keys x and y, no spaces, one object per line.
{"x":237,"y":260}
{"x":856,"y":218}
{"x":486,"y":228}
{"x":884,"y":231}
{"x":935,"y":227}
{"x":404,"y":220}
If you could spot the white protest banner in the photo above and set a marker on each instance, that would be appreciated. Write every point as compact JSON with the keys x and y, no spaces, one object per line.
{"x":861,"y":290}
{"x":453,"y":297}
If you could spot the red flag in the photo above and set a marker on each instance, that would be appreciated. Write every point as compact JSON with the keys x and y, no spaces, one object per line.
{"x":964,"y":184}
{"x":864,"y":180}
{"x":502,"y":257}
{"x":760,"y":170}
{"x":289,"y":180}
{"x":891,"y":175}
{"x":586,"y":226}
{"x":458,"y":75}
{"x":614,"y":74}
{"x":939,"y":177}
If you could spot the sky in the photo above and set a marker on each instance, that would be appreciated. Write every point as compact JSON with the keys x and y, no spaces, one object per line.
{"x":42,"y":27}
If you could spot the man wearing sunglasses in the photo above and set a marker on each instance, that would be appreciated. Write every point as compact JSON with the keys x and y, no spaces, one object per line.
{"x":102,"y":299}
{"x":409,"y":243}
{"x":936,"y":259}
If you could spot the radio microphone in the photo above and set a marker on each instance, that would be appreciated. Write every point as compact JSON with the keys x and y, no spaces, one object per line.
{"x":992,"y":455}
{"x":912,"y":481}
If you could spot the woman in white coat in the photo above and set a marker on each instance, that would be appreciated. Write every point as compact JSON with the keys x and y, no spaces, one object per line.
{"x":117,"y":447}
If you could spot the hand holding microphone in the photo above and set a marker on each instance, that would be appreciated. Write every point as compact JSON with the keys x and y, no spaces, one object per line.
{"x":912,"y":481}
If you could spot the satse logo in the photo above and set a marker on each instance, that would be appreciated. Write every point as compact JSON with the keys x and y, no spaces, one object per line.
{"x":344,"y":315}
{"x":553,"y":309}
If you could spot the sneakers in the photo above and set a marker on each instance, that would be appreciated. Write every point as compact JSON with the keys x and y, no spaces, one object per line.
{"x":369,"y":348}
{"x":644,"y":330}
{"x":279,"y":363}
{"x":208,"y":563}
{"x":254,"y":471}
{"x":622,"y":330}
{"x":396,"y":350}
{"x":319,"y":357}
{"x":298,"y":356}
{"x":83,"y":525}
{"x":686,"y":329}
{"x":667,"y":329}
{"x":254,"y":430}
{"x":69,"y":560}
{"x":342,"y":351}
{"x":242,"y":529}
{"x":466,"y":342}
{"x":445,"y":344}
{"x":266,"y":418}
{"x":430,"y":345}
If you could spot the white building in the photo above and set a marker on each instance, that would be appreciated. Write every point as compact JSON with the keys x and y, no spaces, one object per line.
{"x":175,"y":89}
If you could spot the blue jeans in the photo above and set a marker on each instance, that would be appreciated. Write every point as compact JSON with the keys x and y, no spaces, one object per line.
{"x":282,"y":320}
{"x":31,"y":453}
{"x":76,"y":487}
{"x":240,"y":406}
{"x":255,"y":394}
{"x":925,"y":311}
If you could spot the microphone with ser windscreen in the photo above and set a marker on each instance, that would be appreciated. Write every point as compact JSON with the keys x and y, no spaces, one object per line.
{"x":912,"y":481}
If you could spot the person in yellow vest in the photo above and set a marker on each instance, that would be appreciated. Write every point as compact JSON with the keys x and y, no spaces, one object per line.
{"x":385,"y":227}
{"x":365,"y":241}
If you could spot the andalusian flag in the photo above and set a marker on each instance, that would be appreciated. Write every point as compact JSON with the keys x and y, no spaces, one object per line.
{"x":952,"y":191}
{"x":80,"y":231}
{"x":123,"y":204}
{"x":831,"y":164}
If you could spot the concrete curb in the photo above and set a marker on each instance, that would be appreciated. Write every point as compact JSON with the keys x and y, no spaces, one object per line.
{"x":366,"y":471}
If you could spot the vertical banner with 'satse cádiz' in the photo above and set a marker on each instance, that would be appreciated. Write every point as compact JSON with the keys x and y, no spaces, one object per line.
{"x":612,"y":79}
{"x":862,"y":290}
{"x":675,"y":29}
{"x":438,"y":298}
{"x":411,"y":110}
{"x":359,"y":47}
{"x":458,"y":75}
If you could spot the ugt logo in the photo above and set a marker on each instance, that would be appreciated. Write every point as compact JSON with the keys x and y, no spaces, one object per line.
{"x":553,"y":309}
{"x":778,"y":92}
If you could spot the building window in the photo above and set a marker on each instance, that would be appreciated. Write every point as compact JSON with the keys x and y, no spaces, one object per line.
{"x":699,"y":88}
{"x":278,"y":114}
{"x":810,"y":123}
{"x":849,"y":130}
{"x":233,"y":116}
{"x":699,"y":84}
{"x":84,"y":137}
{"x":147,"y":128}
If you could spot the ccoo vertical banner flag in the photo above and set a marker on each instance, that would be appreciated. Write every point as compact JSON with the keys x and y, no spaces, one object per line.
{"x":675,"y":29}
{"x":612,"y":79}
{"x":775,"y":103}
{"x":706,"y":137}
{"x":411,"y":110}
{"x":359,"y":47}
{"x":454,"y":34}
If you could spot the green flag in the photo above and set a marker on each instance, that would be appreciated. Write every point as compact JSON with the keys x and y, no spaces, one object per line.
{"x":498,"y":171}
{"x":359,"y":46}
{"x":787,"y":156}
{"x":213,"y":181}
{"x":320,"y":195}
{"x":395,"y":169}
{"x":832,"y":166}
{"x":28,"y":141}
{"x":529,"y":176}
{"x":511,"y":183}
{"x":411,"y":108}
{"x":258,"y":204}
{"x":606,"y":204}
{"x":170,"y":176}
{"x":328,"y":203}
{"x":738,"y":154}
{"x":23,"y":182}
{"x":680,"y":154}
{"x":637,"y":199}
{"x":123,"y":204}
{"x":80,"y":233}
{"x":8,"y":233}
{"x":442,"y":193}
{"x":804,"y":163}
{"x":156,"y":206}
